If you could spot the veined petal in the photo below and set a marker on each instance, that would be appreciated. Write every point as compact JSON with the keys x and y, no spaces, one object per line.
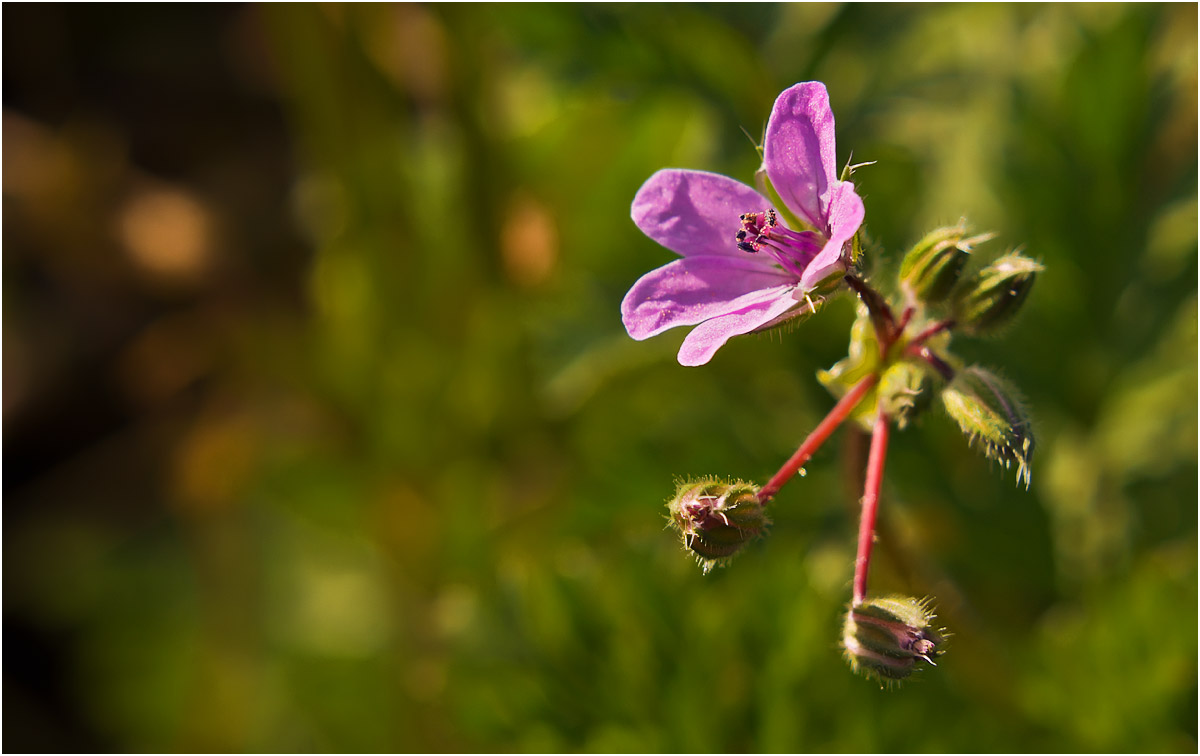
{"x":689,"y":291}
{"x":799,"y":151}
{"x":846,"y":212}
{"x":705,"y":339}
{"x":694,"y":212}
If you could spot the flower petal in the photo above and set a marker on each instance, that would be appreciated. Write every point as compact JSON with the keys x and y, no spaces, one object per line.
{"x":705,"y":339}
{"x":799,"y":152}
{"x":689,"y":291}
{"x":694,"y":212}
{"x":846,"y":214}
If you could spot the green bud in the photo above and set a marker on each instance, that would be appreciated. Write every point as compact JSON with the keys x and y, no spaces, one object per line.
{"x":885,"y":638}
{"x":932,"y":267}
{"x":990,"y":299}
{"x":905,"y":391}
{"x":988,"y":410}
{"x":717,"y":518}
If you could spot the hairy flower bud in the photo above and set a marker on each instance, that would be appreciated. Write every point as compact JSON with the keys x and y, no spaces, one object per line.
{"x":994,"y":295}
{"x":884,"y":638}
{"x":932,"y":267}
{"x":905,"y":391}
{"x":989,"y":411}
{"x":717,"y":518}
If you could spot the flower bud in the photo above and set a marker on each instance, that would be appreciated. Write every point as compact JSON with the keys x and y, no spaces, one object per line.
{"x":884,"y":638}
{"x":905,"y":391}
{"x":932,"y":267}
{"x":716,"y":518}
{"x":992,"y":297}
{"x":989,"y":411}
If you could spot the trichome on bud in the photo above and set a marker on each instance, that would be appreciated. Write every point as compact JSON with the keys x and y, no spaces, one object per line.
{"x":988,"y":410}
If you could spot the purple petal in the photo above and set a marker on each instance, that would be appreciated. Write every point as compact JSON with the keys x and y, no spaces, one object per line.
{"x":846,"y":213}
{"x":694,"y":212}
{"x":705,"y":339}
{"x":799,"y":150}
{"x":689,"y":291}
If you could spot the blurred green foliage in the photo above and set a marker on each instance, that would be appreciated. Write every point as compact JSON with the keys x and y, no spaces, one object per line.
{"x":355,"y":455}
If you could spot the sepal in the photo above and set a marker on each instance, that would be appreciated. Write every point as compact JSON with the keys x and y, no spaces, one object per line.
{"x":905,"y":391}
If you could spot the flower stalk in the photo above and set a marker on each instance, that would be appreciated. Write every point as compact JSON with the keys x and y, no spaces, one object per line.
{"x":870,"y":505}
{"x":819,"y":435}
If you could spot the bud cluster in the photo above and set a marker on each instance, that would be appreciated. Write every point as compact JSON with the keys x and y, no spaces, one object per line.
{"x":938,"y":297}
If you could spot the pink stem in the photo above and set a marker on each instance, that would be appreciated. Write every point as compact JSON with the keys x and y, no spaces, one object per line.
{"x":870,"y":506}
{"x":823,"y":431}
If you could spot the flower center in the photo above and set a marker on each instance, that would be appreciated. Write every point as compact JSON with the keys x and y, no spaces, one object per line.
{"x":794,"y":250}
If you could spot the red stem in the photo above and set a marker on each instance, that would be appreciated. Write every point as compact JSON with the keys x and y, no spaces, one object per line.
{"x":931,"y":331}
{"x":905,"y":318}
{"x":870,"y":506}
{"x":881,"y":314}
{"x":840,"y":412}
{"x":936,"y":362}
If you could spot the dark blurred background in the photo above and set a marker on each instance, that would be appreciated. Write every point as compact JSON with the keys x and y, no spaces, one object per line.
{"x":322,"y":432}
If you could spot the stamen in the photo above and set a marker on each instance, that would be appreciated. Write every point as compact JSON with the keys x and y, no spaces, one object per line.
{"x":791,"y":249}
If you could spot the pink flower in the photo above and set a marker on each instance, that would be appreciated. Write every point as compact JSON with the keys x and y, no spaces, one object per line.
{"x":742,"y":269}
